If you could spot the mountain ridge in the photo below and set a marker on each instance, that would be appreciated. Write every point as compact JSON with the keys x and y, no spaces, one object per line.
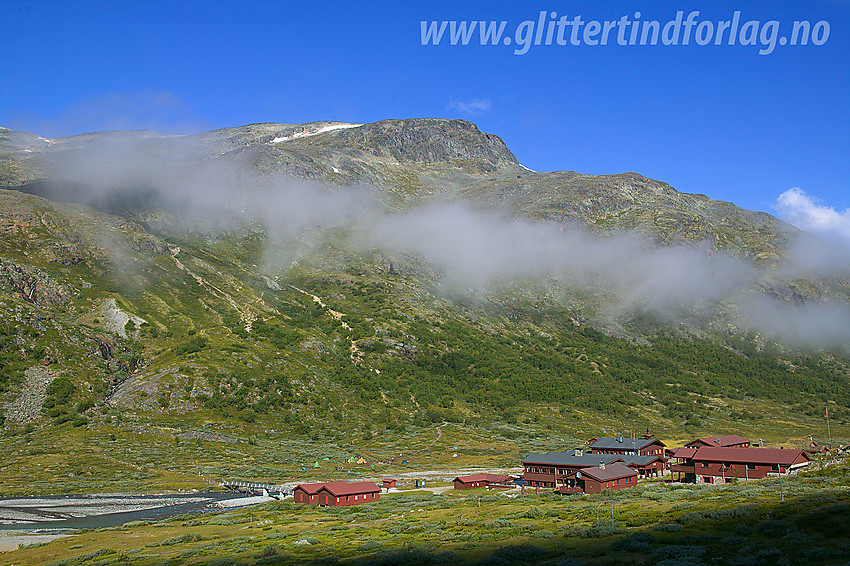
{"x":416,"y":160}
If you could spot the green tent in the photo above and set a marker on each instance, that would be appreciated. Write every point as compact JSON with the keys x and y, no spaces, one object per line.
{"x":316,"y":465}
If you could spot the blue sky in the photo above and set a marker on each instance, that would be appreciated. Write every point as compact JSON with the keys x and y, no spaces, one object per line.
{"x":720,"y":120}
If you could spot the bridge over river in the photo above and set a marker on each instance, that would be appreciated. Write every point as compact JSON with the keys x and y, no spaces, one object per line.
{"x":257,"y":488}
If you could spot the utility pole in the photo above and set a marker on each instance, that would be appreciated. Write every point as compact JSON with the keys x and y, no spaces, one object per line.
{"x":781,"y":493}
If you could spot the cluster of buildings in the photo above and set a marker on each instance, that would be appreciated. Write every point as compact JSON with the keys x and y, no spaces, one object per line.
{"x":617,"y":463}
{"x":609,"y":463}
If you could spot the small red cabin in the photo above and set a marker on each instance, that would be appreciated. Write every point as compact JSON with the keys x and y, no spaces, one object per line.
{"x":484,"y":480}
{"x":306,"y":492}
{"x":599,"y":478}
{"x":337,"y":493}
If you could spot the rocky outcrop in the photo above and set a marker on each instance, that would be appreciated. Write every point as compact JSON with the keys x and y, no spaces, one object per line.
{"x":32,"y":284}
{"x":425,"y":141}
{"x":26,"y":408}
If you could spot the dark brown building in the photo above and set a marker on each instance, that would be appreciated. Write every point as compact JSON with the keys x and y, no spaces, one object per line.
{"x":484,"y":480}
{"x":337,"y":493}
{"x":646,"y":466}
{"x":599,"y":478}
{"x":711,"y":464}
{"x":551,"y":469}
{"x":306,"y":492}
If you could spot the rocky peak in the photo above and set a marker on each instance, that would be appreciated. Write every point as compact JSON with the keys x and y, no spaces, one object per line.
{"x":427,"y":140}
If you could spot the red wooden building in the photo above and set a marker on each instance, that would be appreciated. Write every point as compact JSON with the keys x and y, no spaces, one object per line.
{"x":551,"y":469}
{"x":646,"y":466}
{"x":599,"y":478}
{"x":711,"y":464}
{"x":627,"y":446}
{"x":484,"y":480}
{"x":387,"y":483}
{"x":725,"y":441}
{"x":337,"y":493}
{"x":306,"y":492}
{"x":681,"y":454}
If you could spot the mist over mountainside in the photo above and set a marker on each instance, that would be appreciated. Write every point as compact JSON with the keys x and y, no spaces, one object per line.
{"x":248,"y":269}
{"x":459,"y":200}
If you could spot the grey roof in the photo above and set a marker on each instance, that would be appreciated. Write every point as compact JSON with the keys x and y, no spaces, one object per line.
{"x":570,"y":459}
{"x":608,"y":443}
{"x":641,"y":460}
{"x":611,"y":472}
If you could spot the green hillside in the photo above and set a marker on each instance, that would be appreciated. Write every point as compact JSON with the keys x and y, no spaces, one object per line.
{"x":142,"y":348}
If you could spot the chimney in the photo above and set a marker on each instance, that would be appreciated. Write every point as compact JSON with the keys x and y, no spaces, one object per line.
{"x":601,"y":465}
{"x":620,"y":439}
{"x":579,"y":453}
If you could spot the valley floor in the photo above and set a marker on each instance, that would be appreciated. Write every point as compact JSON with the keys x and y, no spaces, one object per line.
{"x":737,"y":524}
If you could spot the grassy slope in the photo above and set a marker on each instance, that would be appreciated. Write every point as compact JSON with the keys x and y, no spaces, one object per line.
{"x":511,"y":373}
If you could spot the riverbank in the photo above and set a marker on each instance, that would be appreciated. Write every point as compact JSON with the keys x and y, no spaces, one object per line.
{"x":13,"y":540}
{"x":39,"y":520}
{"x":47,"y":510}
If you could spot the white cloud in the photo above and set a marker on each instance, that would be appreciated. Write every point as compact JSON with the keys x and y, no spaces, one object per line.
{"x":809,"y":214}
{"x":471,"y":107}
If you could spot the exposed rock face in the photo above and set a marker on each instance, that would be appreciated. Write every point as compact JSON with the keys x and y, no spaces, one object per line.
{"x":32,"y":284}
{"x":426,"y":141}
{"x":154,"y":390}
{"x":117,"y":319}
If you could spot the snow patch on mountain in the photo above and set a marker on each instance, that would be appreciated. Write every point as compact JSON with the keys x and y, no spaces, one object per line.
{"x":321,"y":130}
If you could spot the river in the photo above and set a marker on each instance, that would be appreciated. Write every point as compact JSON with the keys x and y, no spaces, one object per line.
{"x":74,"y":512}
